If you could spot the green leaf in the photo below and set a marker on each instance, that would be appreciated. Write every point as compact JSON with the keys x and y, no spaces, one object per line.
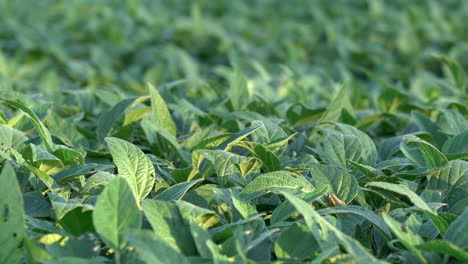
{"x":245,"y":208}
{"x":11,"y":216}
{"x":456,"y":232}
{"x":169,"y":226}
{"x":238,"y":91}
{"x":177,"y":192}
{"x":116,"y":210}
{"x":357,"y":210}
{"x":402,"y":190}
{"x":109,"y":117}
{"x":433,"y":158}
{"x":454,"y":71}
{"x":456,"y":146}
{"x":336,"y":148}
{"x":408,"y":238}
{"x":133,"y":165}
{"x":10,"y":137}
{"x":444,"y":247}
{"x":451,"y":181}
{"x":152,"y":249}
{"x":333,"y":111}
{"x":161,"y":115}
{"x":201,"y":237}
{"x":296,"y":242}
{"x":226,"y":164}
{"x":286,"y":209}
{"x":269,"y":160}
{"x":98,"y":179}
{"x":66,"y":132}
{"x":275,"y":181}
{"x":41,"y":129}
{"x":339,"y":182}
{"x":312,"y":219}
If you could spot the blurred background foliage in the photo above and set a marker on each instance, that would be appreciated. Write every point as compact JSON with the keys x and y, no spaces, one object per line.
{"x":293,"y":49}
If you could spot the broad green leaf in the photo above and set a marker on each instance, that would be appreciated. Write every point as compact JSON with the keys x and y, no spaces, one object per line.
{"x":333,"y":111}
{"x":402,"y":190}
{"x":426,"y":124}
{"x":226,"y":164}
{"x":74,"y":216}
{"x":75,"y":260}
{"x":269,"y":160}
{"x":433,"y":158}
{"x":202,"y":216}
{"x":101,"y":178}
{"x":456,"y":232}
{"x":161,"y":115}
{"x":169,"y":226}
{"x":275,"y":181}
{"x":11,"y":216}
{"x":312,"y":219}
{"x":295,"y":242}
{"x":69,"y":156}
{"x":201,"y":237}
{"x":451,"y":181}
{"x":452,"y":122}
{"x":357,"y":210}
{"x":116,"y":210}
{"x":336,"y":148}
{"x":177,"y":192}
{"x":133,"y":165}
{"x":41,"y":129}
{"x":408,"y":238}
{"x":238,"y":91}
{"x":286,"y":209}
{"x":444,"y":247}
{"x":454,"y":71}
{"x":456,"y":146}
{"x":152,"y":249}
{"x":49,"y":182}
{"x":108,"y":118}
{"x":339,"y":182}
{"x":10,"y":137}
{"x":245,"y":208}
{"x":367,"y":146}
{"x":66,"y":132}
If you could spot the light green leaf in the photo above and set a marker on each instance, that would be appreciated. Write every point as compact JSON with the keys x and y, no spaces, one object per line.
{"x":161,"y":115}
{"x":357,"y":210}
{"x":10,"y":137}
{"x":402,"y":190}
{"x":275,"y":181}
{"x":133,"y":165}
{"x":339,"y":182}
{"x":286,"y":209}
{"x":41,"y":129}
{"x":169,"y":226}
{"x":152,"y":249}
{"x":451,"y":181}
{"x":116,"y":210}
{"x":456,"y":147}
{"x":177,"y":192}
{"x":238,"y":91}
{"x":444,"y":247}
{"x":433,"y":158}
{"x":336,"y":148}
{"x":312,"y":219}
{"x":108,"y":118}
{"x":296,"y":242}
{"x":11,"y":216}
{"x":456,"y":232}
{"x":408,"y":238}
